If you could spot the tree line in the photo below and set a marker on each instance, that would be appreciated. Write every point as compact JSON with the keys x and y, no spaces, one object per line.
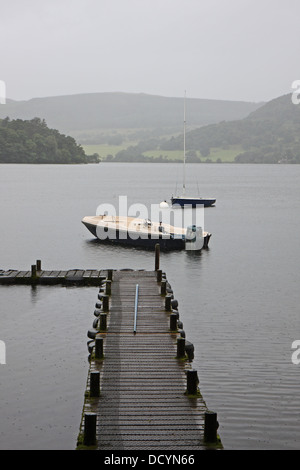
{"x":31,"y":141}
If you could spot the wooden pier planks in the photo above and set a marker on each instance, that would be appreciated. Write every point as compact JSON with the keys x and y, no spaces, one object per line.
{"x":143,"y":404}
{"x":78,"y":277}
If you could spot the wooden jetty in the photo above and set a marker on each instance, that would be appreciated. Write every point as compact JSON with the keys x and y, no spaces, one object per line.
{"x":142,"y":392}
{"x":79,"y":277}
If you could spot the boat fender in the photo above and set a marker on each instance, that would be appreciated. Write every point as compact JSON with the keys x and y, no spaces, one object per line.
{"x":92,"y":333}
{"x":90,"y":345}
{"x":180,"y":325}
{"x":98,"y":304}
{"x":100,"y":296}
{"x":189,"y":347}
{"x":182,"y":333}
{"x":169,"y":290}
{"x":174,"y":304}
{"x":97,"y":312}
{"x":95,"y":322}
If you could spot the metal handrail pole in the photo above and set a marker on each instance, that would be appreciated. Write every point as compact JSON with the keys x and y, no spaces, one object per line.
{"x":136,"y":307}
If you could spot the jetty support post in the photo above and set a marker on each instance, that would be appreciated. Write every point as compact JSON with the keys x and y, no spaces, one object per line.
{"x":173,"y":321}
{"x":105,"y":303}
{"x":108,"y":288}
{"x":210,"y":427}
{"x":168,"y":304}
{"x":33,"y":271}
{"x":98,"y":347}
{"x":180,"y":347}
{"x":103,"y":321}
{"x":192,"y":382}
{"x":38,"y":265}
{"x":163,"y":287}
{"x":95,"y":384}
{"x":157,"y":253}
{"x":90,"y":420}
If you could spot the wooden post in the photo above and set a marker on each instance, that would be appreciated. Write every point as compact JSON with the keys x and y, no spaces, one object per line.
{"x":103,"y":323}
{"x":33,"y":270}
{"x":168,"y":305}
{"x":90,"y":420}
{"x":210,"y":426}
{"x":157,"y":252}
{"x":192,"y":382}
{"x":98,"y":347}
{"x":159,"y":275}
{"x":38,"y":265}
{"x":110,"y":274}
{"x":108,"y":288}
{"x":163,"y":287}
{"x":173,"y":322}
{"x":95,"y":384}
{"x":180,"y":347}
{"x":105,"y":303}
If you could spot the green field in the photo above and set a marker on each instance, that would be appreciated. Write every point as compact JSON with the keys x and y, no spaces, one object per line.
{"x":103,"y":149}
{"x":225,"y":155}
{"x":216,"y":154}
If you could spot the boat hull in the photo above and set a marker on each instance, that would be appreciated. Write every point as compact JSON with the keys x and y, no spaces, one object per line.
{"x":120,"y":238}
{"x":192,"y":202}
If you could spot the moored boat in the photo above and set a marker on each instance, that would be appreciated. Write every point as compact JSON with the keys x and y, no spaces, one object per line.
{"x":183,"y":200}
{"x":144,"y":233}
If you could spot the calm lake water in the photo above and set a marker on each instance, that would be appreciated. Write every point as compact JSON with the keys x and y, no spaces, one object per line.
{"x":239,"y":301}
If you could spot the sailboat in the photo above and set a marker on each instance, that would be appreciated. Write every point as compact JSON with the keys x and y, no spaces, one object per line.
{"x":185,"y":200}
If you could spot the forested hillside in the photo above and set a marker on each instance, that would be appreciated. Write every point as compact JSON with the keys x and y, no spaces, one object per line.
{"x":268,"y":135}
{"x":33,"y":142}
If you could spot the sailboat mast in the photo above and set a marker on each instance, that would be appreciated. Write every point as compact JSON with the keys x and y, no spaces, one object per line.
{"x":184,"y":124}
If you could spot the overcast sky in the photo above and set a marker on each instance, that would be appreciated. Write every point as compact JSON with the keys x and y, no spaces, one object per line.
{"x":245,"y":50}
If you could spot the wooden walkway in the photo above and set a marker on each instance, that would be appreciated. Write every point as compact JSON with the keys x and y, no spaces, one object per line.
{"x":143,"y":403}
{"x":84,"y":277}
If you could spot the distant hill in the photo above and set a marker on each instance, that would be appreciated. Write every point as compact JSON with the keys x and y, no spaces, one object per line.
{"x":270,"y":134}
{"x":76,"y":114}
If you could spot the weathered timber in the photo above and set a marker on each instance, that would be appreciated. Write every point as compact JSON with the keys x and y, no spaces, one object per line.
{"x":77,"y":277}
{"x":149,"y":397}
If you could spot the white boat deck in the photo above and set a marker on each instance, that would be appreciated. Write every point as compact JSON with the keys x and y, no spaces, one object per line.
{"x":133,"y":224}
